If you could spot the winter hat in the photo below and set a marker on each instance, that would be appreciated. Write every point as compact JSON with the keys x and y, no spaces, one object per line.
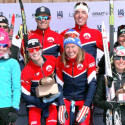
{"x":119,"y":50}
{"x":81,"y":5}
{"x":3,"y":19}
{"x":121,"y":30}
{"x":72,"y":36}
{"x":42,"y":10}
{"x":33,"y":43}
{"x":4,"y":37}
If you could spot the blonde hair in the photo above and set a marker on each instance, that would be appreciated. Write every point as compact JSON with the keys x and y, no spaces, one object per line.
{"x":79,"y":59}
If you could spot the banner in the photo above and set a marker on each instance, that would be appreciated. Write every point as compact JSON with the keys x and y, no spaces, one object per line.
{"x":62,"y":18}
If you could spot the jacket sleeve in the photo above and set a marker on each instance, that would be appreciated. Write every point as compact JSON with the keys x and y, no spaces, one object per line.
{"x":91,"y":78}
{"x":26,"y":90}
{"x":16,"y":84}
{"x":59,"y":80}
{"x":100,"y":94}
{"x":26,"y":85}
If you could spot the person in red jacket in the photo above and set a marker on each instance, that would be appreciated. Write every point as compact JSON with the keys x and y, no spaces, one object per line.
{"x":76,"y":74}
{"x":51,"y":41}
{"x":91,"y":39}
{"x":38,"y":67}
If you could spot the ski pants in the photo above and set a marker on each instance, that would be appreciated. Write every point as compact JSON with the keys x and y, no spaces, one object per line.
{"x":35,"y":115}
{"x":79,"y":105}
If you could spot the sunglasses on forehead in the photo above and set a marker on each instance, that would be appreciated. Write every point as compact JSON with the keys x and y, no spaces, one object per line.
{"x":4,"y":45}
{"x":72,"y":35}
{"x":43,"y":17}
{"x":4,"y":26}
{"x":80,"y":3}
{"x":31,"y":50}
{"x":119,"y":57}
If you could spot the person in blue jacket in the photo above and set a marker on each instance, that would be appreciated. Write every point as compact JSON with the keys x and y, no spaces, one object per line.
{"x":10,"y":85}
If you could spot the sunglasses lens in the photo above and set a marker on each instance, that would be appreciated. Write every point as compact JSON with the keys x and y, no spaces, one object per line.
{"x":77,"y":4}
{"x":5,"y":27}
{"x":43,"y":17}
{"x":73,"y":35}
{"x":4,"y":45}
{"x":123,"y":57}
{"x":31,"y":50}
{"x":119,"y":57}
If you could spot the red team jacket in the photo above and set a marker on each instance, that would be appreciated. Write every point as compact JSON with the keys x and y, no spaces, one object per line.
{"x":51,"y":41}
{"x":30,"y":76}
{"x":78,"y":80}
{"x":91,"y":39}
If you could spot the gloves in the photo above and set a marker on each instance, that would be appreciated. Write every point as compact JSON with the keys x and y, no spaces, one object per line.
{"x":112,"y":105}
{"x":82,"y":114}
{"x":12,"y":116}
{"x":62,"y":114}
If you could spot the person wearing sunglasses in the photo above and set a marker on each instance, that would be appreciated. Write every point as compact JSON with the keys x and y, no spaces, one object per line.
{"x":76,"y":74}
{"x":91,"y":39}
{"x":120,"y":42}
{"x":10,"y":91}
{"x":39,"y":67}
{"x":14,"y":49}
{"x":106,"y":95}
{"x":51,"y":41}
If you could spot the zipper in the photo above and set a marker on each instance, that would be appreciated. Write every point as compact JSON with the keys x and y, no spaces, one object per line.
{"x":43,"y":39}
{"x":42,"y":70}
{"x":79,"y":29}
{"x":73,"y":79}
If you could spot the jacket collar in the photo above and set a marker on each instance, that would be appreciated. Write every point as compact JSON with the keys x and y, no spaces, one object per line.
{"x":45,"y":31}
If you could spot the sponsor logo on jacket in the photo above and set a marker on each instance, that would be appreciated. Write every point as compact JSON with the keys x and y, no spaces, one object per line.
{"x":92,"y":64}
{"x":49,"y":68}
{"x":80,"y":66}
{"x":50,"y":39}
{"x":86,"y":36}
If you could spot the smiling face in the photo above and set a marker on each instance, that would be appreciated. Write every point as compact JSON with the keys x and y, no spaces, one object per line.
{"x":43,"y":23}
{"x":119,"y":62}
{"x":80,"y":17}
{"x":35,"y":54}
{"x":71,"y":50}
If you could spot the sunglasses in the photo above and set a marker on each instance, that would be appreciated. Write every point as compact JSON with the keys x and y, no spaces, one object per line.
{"x":73,"y":35}
{"x":77,"y":4}
{"x":5,"y":26}
{"x":43,"y":17}
{"x":4,"y":45}
{"x":31,"y":50}
{"x":119,"y":57}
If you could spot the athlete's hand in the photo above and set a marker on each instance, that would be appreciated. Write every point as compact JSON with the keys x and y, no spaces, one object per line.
{"x":82,"y":114}
{"x":62,"y":114}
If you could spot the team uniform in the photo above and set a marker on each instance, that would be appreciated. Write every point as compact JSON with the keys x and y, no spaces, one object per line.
{"x":91,"y":39}
{"x":78,"y":83}
{"x":30,"y":77}
{"x":52,"y":42}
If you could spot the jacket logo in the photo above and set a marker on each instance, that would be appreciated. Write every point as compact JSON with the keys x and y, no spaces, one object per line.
{"x":92,"y":64}
{"x":50,"y":39}
{"x":80,"y":66}
{"x":49,"y":68}
{"x":67,"y":66}
{"x":86,"y":35}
